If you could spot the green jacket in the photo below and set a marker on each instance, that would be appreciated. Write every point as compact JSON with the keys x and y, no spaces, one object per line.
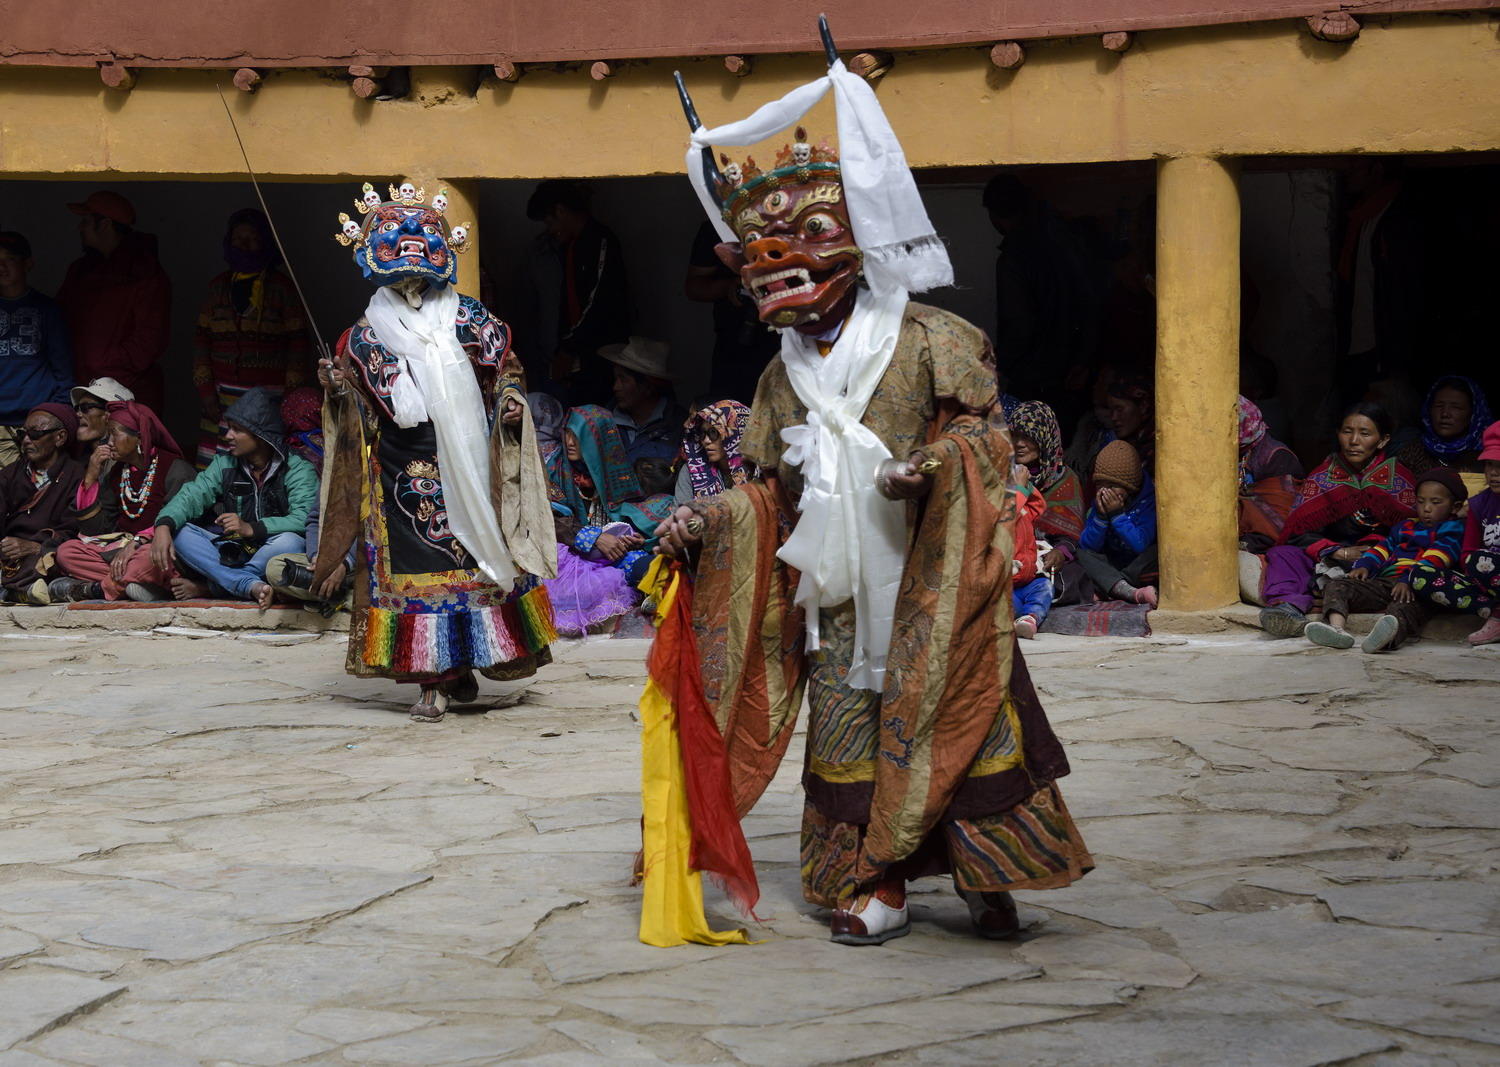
{"x":279,"y":505}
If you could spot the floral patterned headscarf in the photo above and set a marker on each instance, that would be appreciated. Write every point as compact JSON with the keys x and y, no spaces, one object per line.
{"x":1037,"y":421}
{"x":1471,"y":439}
{"x":729,"y":417}
{"x":1252,"y":424}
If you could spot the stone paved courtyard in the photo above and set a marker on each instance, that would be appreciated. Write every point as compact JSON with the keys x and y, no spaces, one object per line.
{"x":222,"y":850}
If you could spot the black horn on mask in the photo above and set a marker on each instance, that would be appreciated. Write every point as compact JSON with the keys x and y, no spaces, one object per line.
{"x":710,"y":168}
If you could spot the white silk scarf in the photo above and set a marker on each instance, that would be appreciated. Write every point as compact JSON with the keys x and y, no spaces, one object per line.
{"x":434,"y":375}
{"x":850,"y":542}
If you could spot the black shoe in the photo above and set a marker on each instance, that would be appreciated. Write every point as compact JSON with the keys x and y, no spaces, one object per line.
{"x":72,"y":590}
{"x":1282,"y":620}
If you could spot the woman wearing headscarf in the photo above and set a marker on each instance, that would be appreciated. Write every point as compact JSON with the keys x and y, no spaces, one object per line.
{"x":1269,"y":476}
{"x":605,"y":525}
{"x":711,"y":449}
{"x":251,"y":329}
{"x":549,"y":415}
{"x":302,"y":419}
{"x":117,"y":512}
{"x":1038,"y":441}
{"x":1352,"y":498}
{"x":1453,"y":422}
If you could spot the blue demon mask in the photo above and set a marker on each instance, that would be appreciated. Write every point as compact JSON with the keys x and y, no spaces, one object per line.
{"x":406,"y":241}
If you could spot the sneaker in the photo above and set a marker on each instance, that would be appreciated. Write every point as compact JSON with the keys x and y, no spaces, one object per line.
{"x":72,"y":590}
{"x":1026,"y":626}
{"x":1320,"y":633}
{"x":1487,"y":633}
{"x":1282,"y":620}
{"x":144,"y":593}
{"x":1381,"y":634}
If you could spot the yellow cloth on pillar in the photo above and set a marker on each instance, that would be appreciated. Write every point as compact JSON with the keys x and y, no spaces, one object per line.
{"x":672,"y":901}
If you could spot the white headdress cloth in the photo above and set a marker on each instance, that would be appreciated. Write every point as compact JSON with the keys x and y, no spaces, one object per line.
{"x":900,"y":246}
{"x":850,"y":542}
{"x":434,"y":375}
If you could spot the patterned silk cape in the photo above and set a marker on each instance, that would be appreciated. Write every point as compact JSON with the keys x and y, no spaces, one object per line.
{"x":960,"y":726}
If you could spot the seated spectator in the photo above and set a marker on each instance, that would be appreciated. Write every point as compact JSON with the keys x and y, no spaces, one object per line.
{"x":250,"y":329}
{"x":248,"y":506}
{"x":1031,"y":590}
{"x":1038,"y":443}
{"x":1118,"y":545}
{"x":36,"y":501}
{"x":91,"y":404}
{"x":291,"y":573}
{"x":117,"y":300}
{"x":1474,"y":585}
{"x":648,"y":419}
{"x":1094,"y":430}
{"x":711,"y":447}
{"x":549,"y":416}
{"x":606,"y":526}
{"x":1132,"y":415}
{"x":1347,"y":501}
{"x":1385,"y":577}
{"x":302,"y":415}
{"x":36,"y":362}
{"x":1270,"y":474}
{"x":1453,"y":422}
{"x":127,"y":479}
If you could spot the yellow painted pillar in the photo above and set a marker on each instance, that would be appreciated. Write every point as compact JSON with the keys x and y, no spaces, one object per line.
{"x":1197,"y":380}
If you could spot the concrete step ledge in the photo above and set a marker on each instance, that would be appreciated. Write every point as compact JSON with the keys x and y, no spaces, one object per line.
{"x":1448,"y":626}
{"x":204,"y":615}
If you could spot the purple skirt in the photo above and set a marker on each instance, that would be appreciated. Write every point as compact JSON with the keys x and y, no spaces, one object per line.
{"x":587,"y":593}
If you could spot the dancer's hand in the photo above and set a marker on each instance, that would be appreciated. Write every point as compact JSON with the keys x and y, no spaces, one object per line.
{"x":510,"y":412}
{"x":907,"y":483}
{"x":334,"y":378}
{"x":329,"y":587}
{"x":679,"y":534}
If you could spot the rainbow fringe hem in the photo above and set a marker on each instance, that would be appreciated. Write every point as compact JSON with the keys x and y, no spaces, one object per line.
{"x":435,"y":642}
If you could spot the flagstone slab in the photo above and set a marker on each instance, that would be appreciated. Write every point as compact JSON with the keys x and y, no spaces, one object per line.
{"x":34,"y":1001}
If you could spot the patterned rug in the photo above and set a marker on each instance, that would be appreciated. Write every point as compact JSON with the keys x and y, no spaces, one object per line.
{"x":1108,"y":618}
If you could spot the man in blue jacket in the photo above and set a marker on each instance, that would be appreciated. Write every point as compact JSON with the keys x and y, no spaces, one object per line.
{"x":244,"y":508}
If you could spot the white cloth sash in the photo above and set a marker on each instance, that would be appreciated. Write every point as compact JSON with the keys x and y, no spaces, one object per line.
{"x":434,"y":375}
{"x":850,"y":542}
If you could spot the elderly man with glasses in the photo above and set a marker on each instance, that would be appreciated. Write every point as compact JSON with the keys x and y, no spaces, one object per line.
{"x":36,"y":501}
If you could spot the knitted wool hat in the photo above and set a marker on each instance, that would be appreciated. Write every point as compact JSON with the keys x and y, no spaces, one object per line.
{"x":1491,"y":442}
{"x":1119,"y":464}
{"x":1448,"y":478}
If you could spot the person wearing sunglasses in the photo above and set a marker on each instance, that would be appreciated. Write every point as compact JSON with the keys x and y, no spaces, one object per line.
{"x":36,"y":502}
{"x":36,"y":362}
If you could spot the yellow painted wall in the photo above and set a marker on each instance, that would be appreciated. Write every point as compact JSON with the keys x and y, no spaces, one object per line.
{"x":1409,"y":84}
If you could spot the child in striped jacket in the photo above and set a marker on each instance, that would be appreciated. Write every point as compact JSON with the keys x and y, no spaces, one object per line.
{"x":1382,"y":579}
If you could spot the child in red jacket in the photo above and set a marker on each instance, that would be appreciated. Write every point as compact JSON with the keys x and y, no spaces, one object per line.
{"x":1032,"y":592}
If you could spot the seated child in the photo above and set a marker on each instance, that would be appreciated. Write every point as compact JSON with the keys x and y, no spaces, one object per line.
{"x":1383,"y":579}
{"x":1474,"y":585}
{"x":1118,"y":545}
{"x":1031,"y":590}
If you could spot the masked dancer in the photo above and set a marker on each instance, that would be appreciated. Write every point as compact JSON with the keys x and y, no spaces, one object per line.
{"x":870,"y":560}
{"x":431,"y":464}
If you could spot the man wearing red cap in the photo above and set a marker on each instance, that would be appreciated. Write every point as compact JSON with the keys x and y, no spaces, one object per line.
{"x":117,"y":299}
